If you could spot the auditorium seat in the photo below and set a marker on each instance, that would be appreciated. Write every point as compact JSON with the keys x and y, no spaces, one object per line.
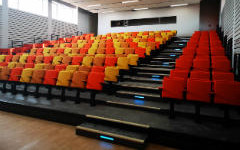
{"x":60,"y":67}
{"x":39,"y":59}
{"x":64,"y":78}
{"x":37,"y":76}
{"x":15,"y":74}
{"x":87,"y":61}
{"x":133,"y":59}
{"x":50,"y":77}
{"x":79,"y":79}
{"x":66,"y":60}
{"x":77,"y":60}
{"x":57,"y":60}
{"x":95,"y":80}
{"x":226,"y":76}
{"x":26,"y":75}
{"x":111,"y":74}
{"x":205,"y":75}
{"x":31,"y":59}
{"x":15,"y":58}
{"x":122,"y":63}
{"x":97,"y":69}
{"x":48,"y":59}
{"x":98,"y":61}
{"x":173,"y":88}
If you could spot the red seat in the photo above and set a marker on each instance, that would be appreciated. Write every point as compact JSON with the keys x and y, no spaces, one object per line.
{"x":15,"y":74}
{"x":110,"y":50}
{"x":98,"y":69}
{"x":60,"y":67}
{"x":94,"y":80}
{"x":39,"y":51}
{"x":110,"y":61}
{"x":31,"y":59}
{"x":83,"y":50}
{"x":179,"y":74}
{"x":202,"y":75}
{"x":221,"y":65}
{"x":201,"y":64}
{"x":140,"y":51}
{"x":8,"y":58}
{"x":198,"y":90}
{"x":48,"y":59}
{"x":50,"y":77}
{"x":77,"y":60}
{"x":227,"y":92}
{"x":184,"y":64}
{"x":60,"y":51}
{"x":173,"y":88}
{"x":226,"y":76}
{"x":29,"y":65}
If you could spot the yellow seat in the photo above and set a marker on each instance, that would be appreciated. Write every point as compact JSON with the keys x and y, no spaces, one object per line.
{"x":117,"y":44}
{"x":133,"y":59}
{"x":2,"y":58}
{"x":136,"y":40}
{"x":122,"y":63}
{"x":81,"y":45}
{"x":12,"y":65}
{"x":100,"y":55}
{"x":26,"y":75}
{"x":46,"y":51}
{"x":62,"y":45}
{"x":111,"y":74}
{"x":119,"y":50}
{"x":142,"y":44}
{"x":92,"y":51}
{"x":64,"y":78}
{"x":39,"y":66}
{"x":87,"y":61}
{"x":72,"y":67}
{"x":57,"y":60}
{"x":148,"y":50}
{"x":23,"y":59}
{"x":68,"y":51}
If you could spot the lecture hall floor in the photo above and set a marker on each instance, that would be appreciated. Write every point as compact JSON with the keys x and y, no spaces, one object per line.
{"x":25,"y":133}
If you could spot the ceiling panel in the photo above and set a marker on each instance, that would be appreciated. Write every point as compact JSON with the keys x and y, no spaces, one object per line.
{"x":104,"y":6}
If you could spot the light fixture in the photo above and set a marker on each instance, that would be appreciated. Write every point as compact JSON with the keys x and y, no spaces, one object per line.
{"x":140,"y":8}
{"x":130,"y":1}
{"x":104,"y":12}
{"x":96,"y":5}
{"x":178,"y":5}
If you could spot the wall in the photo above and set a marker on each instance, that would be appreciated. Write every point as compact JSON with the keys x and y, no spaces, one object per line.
{"x":209,"y":14}
{"x":1,"y":26}
{"x":187,"y":20}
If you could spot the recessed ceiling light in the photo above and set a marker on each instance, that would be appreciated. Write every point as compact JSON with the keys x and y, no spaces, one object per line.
{"x":96,"y":5}
{"x":107,"y":12}
{"x":130,"y":1}
{"x":140,"y":8}
{"x":177,"y":5}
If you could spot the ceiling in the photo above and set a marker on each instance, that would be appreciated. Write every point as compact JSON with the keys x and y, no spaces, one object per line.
{"x":107,"y":6}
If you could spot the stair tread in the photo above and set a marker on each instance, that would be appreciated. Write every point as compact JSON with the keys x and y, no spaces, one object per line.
{"x":152,"y":73}
{"x":142,"y":78}
{"x":140,"y":85}
{"x":154,"y":66}
{"x":114,"y":131}
{"x":150,"y":68}
{"x":139,"y":93}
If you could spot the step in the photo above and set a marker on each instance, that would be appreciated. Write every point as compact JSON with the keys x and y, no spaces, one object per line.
{"x":173,"y":50}
{"x":163,"y":65}
{"x":151,"y":69}
{"x":167,"y":59}
{"x":112,"y":134}
{"x":154,"y":62}
{"x":152,"y":74}
{"x":154,"y":79}
{"x":139,"y":95}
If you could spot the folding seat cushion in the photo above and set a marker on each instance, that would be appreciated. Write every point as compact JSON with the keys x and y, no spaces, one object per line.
{"x":77,"y":60}
{"x":201,"y":75}
{"x":92,"y":51}
{"x":111,"y":74}
{"x":29,"y":65}
{"x":15,"y":74}
{"x":110,"y":50}
{"x":53,"y":52}
{"x":79,"y":79}
{"x":221,"y":65}
{"x":67,"y":60}
{"x":46,"y":51}
{"x":119,"y":51}
{"x":64,"y":78}
{"x":74,"y":45}
{"x":62,"y":45}
{"x":3,"y":64}
{"x":26,"y":75}
{"x":8,"y":58}
{"x":122,"y":63}
{"x":12,"y":65}
{"x":60,"y":67}
{"x":20,"y":65}
{"x":87,"y":61}
{"x":75,"y":51}
{"x":83,"y":51}
{"x":50,"y":77}
{"x":140,"y":51}
{"x":97,"y":69}
{"x":48,"y":59}
{"x":133,"y":59}
{"x":101,"y":51}
{"x":201,"y":64}
{"x":85,"y":68}
{"x":184,"y":64}
{"x":39,"y":66}
{"x":57,"y":60}
{"x":39,"y":51}
{"x":129,"y":51}
{"x":152,"y":45}
{"x":39,"y":59}
{"x":72,"y":68}
{"x":198,"y":90}
{"x":173,"y":88}
{"x":98,"y":61}
{"x":2,"y":58}
{"x":124,"y":44}
{"x":225,"y":76}
{"x":15,"y":58}
{"x":5,"y":72}
{"x":60,"y":51}
{"x":37,"y":76}
{"x":227,"y":92}
{"x":110,"y":61}
{"x":68,"y":51}
{"x":95,"y":80}
{"x":49,"y":67}
{"x":179,"y":74}
{"x":31,"y":59}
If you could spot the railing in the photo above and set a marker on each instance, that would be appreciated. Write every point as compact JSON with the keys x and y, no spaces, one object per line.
{"x":35,"y":40}
{"x":14,"y":42}
{"x":54,"y":36}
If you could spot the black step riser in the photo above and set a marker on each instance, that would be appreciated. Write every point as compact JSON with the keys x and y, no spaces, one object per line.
{"x":144,"y":81}
{"x":138,"y":89}
{"x":132,"y":96}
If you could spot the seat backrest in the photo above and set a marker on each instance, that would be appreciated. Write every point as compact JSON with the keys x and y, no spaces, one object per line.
{"x":94,"y":80}
{"x":48,"y":59}
{"x":87,"y":61}
{"x":39,"y":59}
{"x":79,"y":79}
{"x":64,"y":78}
{"x":226,"y":76}
{"x":97,"y":69}
{"x":77,"y":60}
{"x":110,"y":61}
{"x":15,"y":58}
{"x":57,"y":60}
{"x":67,"y":60}
{"x":15,"y":74}
{"x":31,"y":59}
{"x":111,"y":74}
{"x":60,"y":67}
{"x":38,"y":76}
{"x":205,"y":75}
{"x":122,"y":63}
{"x":98,"y":61}
{"x":50,"y":77}
{"x":26,"y":75}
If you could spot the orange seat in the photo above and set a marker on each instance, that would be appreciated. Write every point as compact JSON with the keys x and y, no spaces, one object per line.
{"x":15,"y":74}
{"x":50,"y":77}
{"x":79,"y":79}
{"x":98,"y":61}
{"x":38,"y":76}
{"x":48,"y":59}
{"x":77,"y":60}
{"x":95,"y":80}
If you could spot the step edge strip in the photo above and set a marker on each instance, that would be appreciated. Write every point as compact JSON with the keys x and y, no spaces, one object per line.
{"x":119,"y":121}
{"x":111,"y":134}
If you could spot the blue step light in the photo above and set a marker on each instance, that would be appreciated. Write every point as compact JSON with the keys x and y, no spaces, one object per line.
{"x":180,"y":44}
{"x":177,"y":49}
{"x":140,"y":97}
{"x":155,"y":79}
{"x":106,"y":138}
{"x":156,"y":76}
{"x":172,"y":55}
{"x":138,"y":102}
